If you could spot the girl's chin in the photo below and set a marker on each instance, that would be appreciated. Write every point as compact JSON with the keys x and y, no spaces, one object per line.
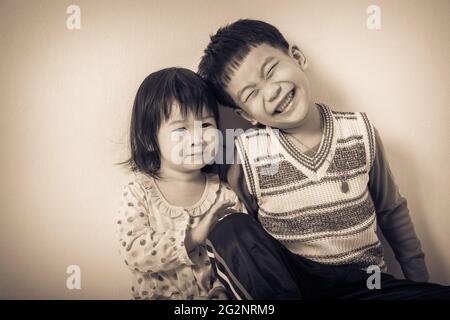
{"x":195,"y":164}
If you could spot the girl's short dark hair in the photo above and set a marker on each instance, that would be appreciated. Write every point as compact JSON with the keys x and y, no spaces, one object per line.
{"x":228,"y":48}
{"x":153,"y":105}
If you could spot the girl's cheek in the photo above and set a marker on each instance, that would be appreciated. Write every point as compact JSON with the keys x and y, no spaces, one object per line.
{"x":212,"y":136}
{"x":184,"y":146}
{"x":175,"y":148}
{"x":178,"y":154}
{"x":212,"y":140}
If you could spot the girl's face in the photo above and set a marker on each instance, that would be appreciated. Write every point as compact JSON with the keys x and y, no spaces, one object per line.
{"x":187,"y":143}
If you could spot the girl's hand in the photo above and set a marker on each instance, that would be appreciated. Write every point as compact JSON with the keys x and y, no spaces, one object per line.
{"x":218,"y":295}
{"x":197,"y":235}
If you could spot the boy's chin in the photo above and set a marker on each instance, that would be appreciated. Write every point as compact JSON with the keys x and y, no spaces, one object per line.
{"x":292,"y":119}
{"x":296,"y":120}
{"x":286,"y":124}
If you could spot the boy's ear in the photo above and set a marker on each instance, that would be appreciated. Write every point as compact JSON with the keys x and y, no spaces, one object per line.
{"x":246,"y":116}
{"x":298,"y":55}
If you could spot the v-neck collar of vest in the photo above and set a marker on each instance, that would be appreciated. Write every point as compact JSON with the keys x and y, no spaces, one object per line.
{"x":314,"y":166}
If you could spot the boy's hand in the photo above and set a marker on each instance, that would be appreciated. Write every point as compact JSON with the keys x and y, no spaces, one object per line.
{"x":197,"y":235}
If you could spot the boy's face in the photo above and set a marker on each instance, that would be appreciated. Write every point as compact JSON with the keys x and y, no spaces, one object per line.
{"x":271,"y":88}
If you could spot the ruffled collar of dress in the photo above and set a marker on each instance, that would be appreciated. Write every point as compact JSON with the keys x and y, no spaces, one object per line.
{"x":208,"y":198}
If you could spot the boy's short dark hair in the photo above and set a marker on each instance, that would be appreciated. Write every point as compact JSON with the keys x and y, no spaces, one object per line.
{"x":153,"y":105}
{"x":229,"y":46}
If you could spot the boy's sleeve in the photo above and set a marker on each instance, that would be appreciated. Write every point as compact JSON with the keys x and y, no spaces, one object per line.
{"x":142,"y":247}
{"x":234,"y":175}
{"x":237,"y":182}
{"x":394,"y":219}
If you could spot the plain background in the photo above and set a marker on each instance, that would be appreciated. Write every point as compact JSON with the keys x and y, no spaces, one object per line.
{"x":66,"y":97}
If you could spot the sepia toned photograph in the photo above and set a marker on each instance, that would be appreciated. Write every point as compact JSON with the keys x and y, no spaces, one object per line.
{"x":225,"y":150}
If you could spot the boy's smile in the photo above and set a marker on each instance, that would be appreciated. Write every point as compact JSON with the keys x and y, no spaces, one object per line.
{"x":271,"y":88}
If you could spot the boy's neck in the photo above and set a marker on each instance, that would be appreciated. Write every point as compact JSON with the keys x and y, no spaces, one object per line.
{"x":311,"y":126}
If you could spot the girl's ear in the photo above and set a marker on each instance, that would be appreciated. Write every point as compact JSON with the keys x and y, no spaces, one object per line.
{"x":246,"y":116}
{"x":298,"y":55}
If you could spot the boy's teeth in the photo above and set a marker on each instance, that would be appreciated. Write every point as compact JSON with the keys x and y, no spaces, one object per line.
{"x":286,"y":102}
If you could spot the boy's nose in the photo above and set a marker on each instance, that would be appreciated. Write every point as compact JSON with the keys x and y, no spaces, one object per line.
{"x":271,"y":92}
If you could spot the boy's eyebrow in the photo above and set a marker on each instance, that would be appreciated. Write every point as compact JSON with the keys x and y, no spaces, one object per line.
{"x":261,"y":71}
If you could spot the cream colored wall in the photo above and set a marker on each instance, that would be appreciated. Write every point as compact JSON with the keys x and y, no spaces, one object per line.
{"x":66,"y":98}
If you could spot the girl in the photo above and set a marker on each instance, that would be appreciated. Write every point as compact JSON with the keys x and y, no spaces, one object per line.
{"x":172,"y":202}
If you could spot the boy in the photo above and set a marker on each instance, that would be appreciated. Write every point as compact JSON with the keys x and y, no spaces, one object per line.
{"x":330,"y":187}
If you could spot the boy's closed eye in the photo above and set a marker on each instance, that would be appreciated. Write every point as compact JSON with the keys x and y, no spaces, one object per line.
{"x":272,"y":68}
{"x":250,"y":95}
{"x":268,"y":76}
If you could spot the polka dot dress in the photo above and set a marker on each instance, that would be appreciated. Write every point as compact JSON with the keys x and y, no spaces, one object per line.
{"x":151,"y":235}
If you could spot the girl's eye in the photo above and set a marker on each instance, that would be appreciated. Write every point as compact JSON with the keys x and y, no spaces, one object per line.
{"x":206,"y":125}
{"x":180,"y":130}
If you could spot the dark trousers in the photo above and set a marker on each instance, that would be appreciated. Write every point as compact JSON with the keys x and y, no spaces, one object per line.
{"x":252,"y":264}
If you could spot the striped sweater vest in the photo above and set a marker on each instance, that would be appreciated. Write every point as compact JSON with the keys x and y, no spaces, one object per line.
{"x":300,"y":197}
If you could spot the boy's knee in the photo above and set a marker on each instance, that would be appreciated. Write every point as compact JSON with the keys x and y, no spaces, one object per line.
{"x":235,"y":223}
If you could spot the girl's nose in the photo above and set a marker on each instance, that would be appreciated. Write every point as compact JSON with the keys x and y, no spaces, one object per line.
{"x":271,"y":92}
{"x":197,"y":138}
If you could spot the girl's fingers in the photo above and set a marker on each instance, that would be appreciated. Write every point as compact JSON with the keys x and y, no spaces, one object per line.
{"x":224,"y":213}
{"x":223,"y":205}
{"x":229,"y":210}
{"x":226,"y":205}
{"x":216,"y":217}
{"x":218,"y":210}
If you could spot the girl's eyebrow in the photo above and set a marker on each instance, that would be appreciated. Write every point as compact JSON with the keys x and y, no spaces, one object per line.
{"x":173,"y":122}
{"x":176,"y":122}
